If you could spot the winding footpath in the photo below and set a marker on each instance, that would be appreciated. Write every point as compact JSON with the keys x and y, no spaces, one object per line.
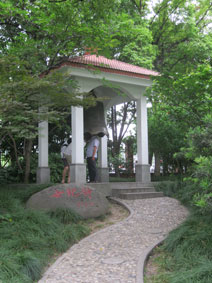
{"x":117,"y":253}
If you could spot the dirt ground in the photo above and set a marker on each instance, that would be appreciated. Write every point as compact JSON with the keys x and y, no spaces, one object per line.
{"x":116,"y":214}
{"x":151,"y":267}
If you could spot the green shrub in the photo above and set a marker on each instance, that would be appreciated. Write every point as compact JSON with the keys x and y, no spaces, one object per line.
{"x":10,"y":174}
{"x":198,"y":187}
{"x":169,"y":188}
{"x":55,"y":165}
{"x":9,"y":267}
{"x":31,"y":266}
{"x":65,"y":216}
{"x":190,"y":249}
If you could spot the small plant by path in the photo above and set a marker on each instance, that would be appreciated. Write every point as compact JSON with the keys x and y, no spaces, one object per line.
{"x":156,"y":269}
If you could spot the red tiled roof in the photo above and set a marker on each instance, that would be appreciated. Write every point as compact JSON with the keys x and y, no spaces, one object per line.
{"x":111,"y":66}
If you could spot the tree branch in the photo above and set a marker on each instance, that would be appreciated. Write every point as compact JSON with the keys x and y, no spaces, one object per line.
{"x":16,"y":152}
{"x":202,"y":18}
{"x":158,"y":12}
{"x":123,"y":121}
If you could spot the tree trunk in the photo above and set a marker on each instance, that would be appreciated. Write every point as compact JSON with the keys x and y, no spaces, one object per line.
{"x":27,"y":154}
{"x":115,"y":155}
{"x":123,"y":119}
{"x":129,"y":155}
{"x":157,"y":164}
{"x":165,"y":167}
{"x":15,"y":152}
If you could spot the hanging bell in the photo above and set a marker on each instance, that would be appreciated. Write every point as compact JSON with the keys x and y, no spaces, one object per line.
{"x":94,"y":121}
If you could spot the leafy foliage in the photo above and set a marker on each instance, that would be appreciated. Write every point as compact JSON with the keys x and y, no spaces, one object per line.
{"x":36,"y":35}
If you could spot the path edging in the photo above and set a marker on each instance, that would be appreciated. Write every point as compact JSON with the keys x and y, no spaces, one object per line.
{"x":143,"y":260}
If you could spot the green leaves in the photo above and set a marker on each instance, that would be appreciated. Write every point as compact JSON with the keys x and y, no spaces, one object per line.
{"x":41,"y":32}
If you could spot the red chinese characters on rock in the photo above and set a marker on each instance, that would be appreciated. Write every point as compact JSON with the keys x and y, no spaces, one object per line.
{"x":72,"y":192}
{"x":87,"y":192}
{"x":57,"y":194}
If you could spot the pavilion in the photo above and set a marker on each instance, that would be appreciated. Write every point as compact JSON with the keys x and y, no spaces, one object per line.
{"x":119,"y":82}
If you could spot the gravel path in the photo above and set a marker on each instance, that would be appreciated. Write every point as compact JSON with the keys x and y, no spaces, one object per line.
{"x":113,"y":255}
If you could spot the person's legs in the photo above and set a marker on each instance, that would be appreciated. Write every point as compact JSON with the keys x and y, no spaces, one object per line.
{"x":92,"y":169}
{"x":89,"y":168}
{"x":65,"y":170}
{"x":69,"y":175}
{"x":64,"y":174}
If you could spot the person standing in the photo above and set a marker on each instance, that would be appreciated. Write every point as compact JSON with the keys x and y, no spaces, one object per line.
{"x":66,"y":153}
{"x":91,"y":156}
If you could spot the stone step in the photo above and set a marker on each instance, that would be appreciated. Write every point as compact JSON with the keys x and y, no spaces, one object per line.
{"x":107,"y":187}
{"x":129,"y":185}
{"x":116,"y":191}
{"x":138,"y":195}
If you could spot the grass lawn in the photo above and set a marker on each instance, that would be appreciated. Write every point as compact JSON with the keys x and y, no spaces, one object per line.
{"x":29,"y":239}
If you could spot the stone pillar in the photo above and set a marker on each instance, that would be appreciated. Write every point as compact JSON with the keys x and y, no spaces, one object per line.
{"x":43,"y":171}
{"x":142,"y":166}
{"x":78,"y":167}
{"x":103,"y":170}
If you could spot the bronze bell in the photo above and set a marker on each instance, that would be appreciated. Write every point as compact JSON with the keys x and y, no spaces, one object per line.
{"x":94,"y":121}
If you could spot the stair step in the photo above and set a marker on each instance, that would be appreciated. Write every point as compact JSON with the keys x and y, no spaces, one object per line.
{"x":138,"y":195}
{"x":116,"y":192}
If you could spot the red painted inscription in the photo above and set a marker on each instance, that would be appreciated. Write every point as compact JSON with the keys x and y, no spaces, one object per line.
{"x":72,"y":192}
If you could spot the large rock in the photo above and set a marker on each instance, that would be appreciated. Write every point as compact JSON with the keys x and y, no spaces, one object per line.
{"x":83,"y":199}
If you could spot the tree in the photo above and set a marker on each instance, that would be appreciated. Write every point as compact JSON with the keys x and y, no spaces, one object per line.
{"x":166,"y":137}
{"x":131,"y":35}
{"x":36,"y":35}
{"x":180,"y":32}
{"x":43,"y":32}
{"x":175,"y":39}
{"x":21,"y":97}
{"x":130,"y":150}
{"x":181,"y":94}
{"x":119,"y":122}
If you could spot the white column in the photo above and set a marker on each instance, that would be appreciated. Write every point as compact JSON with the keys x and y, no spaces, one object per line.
{"x":142,"y":132}
{"x":78,"y":167}
{"x":142,"y":167}
{"x":43,"y":143}
{"x":103,"y":170}
{"x":102,"y":154}
{"x":77,"y":135}
{"x":43,"y":171}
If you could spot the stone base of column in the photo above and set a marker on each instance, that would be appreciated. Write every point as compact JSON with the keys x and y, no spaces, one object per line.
{"x":103,"y":175}
{"x":78,"y":173}
{"x":142,"y":173}
{"x":43,"y":175}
